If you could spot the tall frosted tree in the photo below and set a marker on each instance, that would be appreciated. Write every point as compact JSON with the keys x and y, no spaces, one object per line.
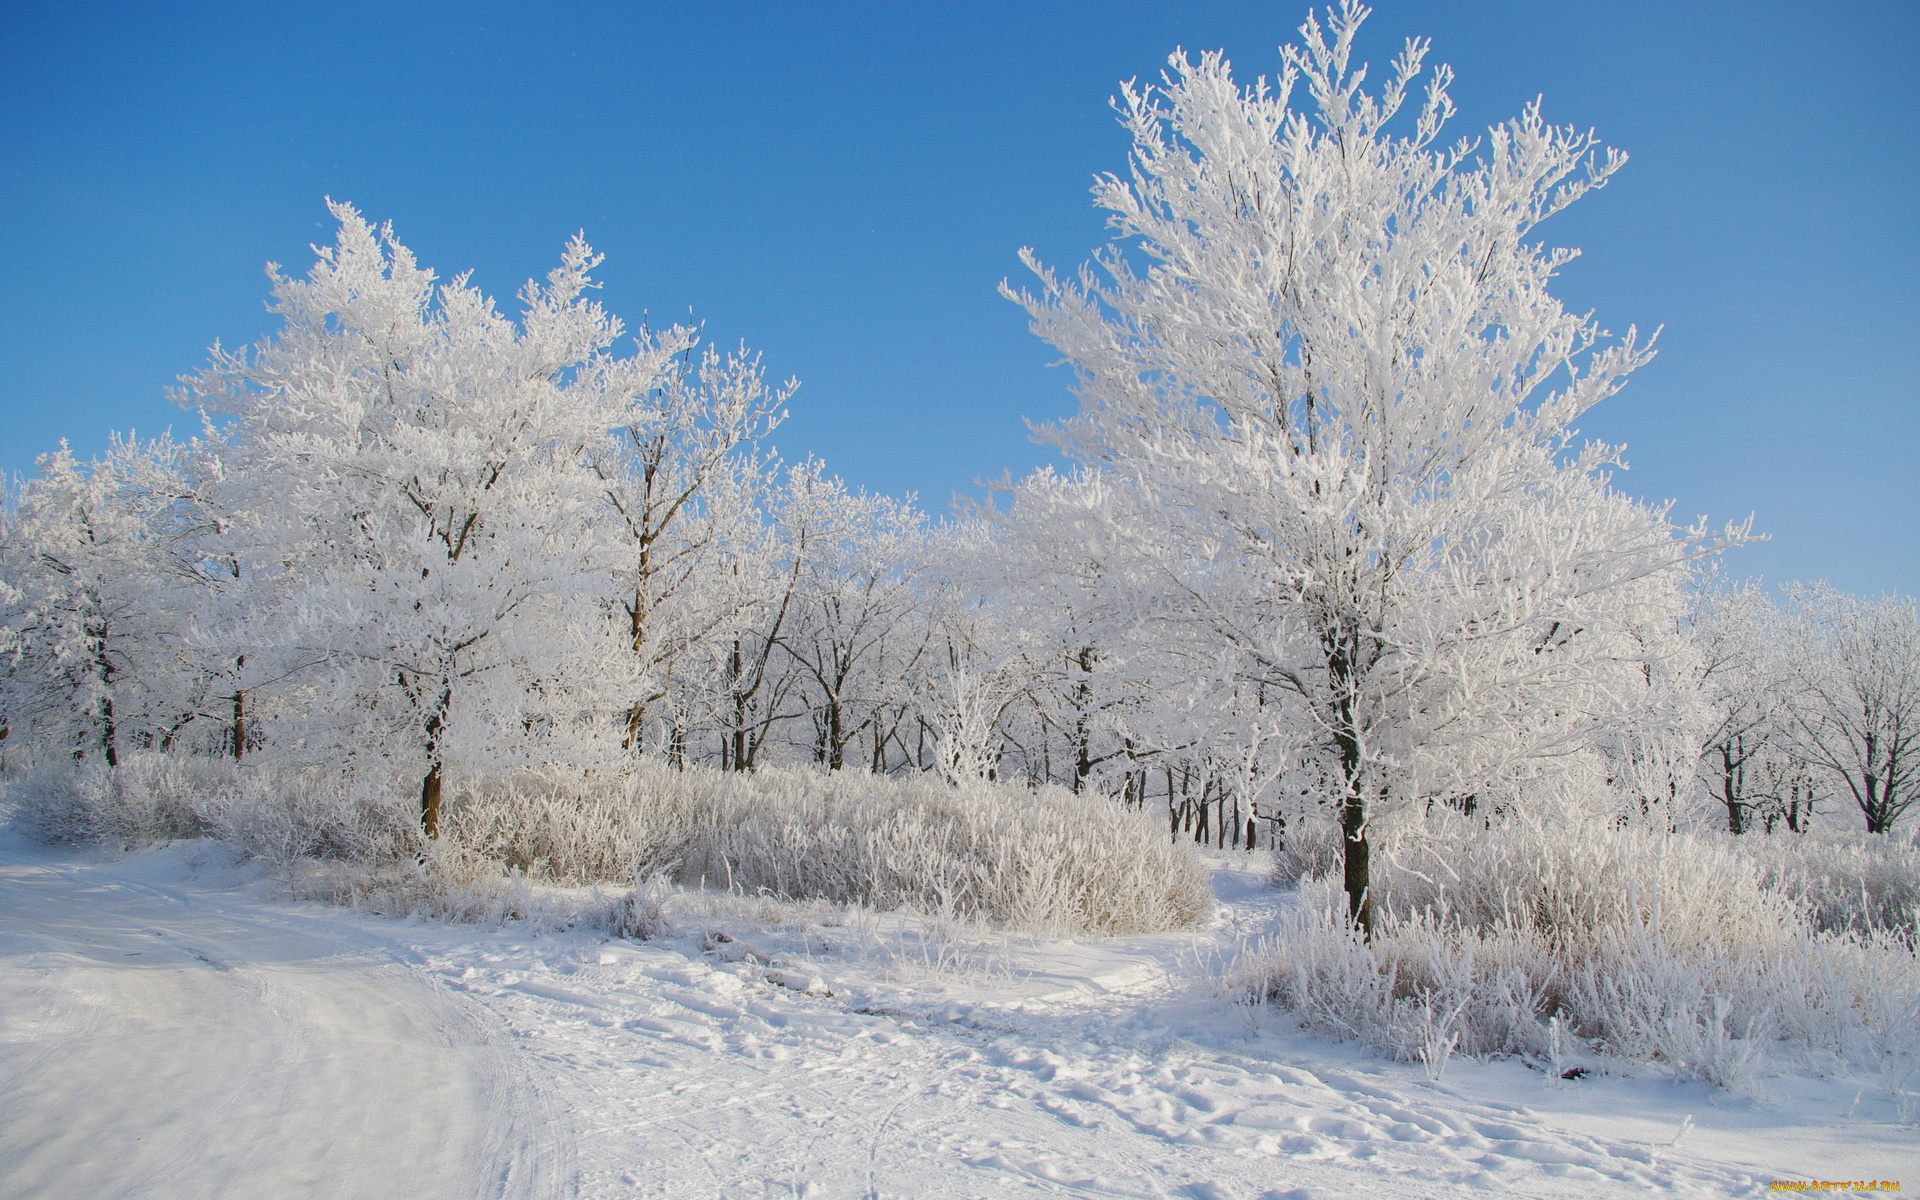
{"x":408,"y":473}
{"x":681,"y":472}
{"x":1323,"y":342}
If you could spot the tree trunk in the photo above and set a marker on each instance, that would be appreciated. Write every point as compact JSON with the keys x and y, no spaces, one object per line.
{"x":1353,"y":808}
{"x":1082,"y":735}
{"x":430,"y":786}
{"x":430,"y":801}
{"x":636,"y":718}
{"x":1353,"y":825}
{"x":740,"y":762}
{"x":239,"y":715}
{"x":107,"y":737}
{"x":836,"y":746}
{"x":1877,"y":805}
{"x":108,"y":732}
{"x":1730,"y":792}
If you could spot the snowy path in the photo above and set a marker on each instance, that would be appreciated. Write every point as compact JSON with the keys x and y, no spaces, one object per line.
{"x":820,"y":1061}
{"x":162,"y":1037}
{"x":161,"y":1041}
{"x":709,"y":1078}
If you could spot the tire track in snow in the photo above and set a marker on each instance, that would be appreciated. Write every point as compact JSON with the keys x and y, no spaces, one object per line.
{"x":159,"y":1042}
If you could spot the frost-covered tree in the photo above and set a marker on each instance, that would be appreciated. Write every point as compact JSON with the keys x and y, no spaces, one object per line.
{"x":1328,"y":352}
{"x":98,"y":584}
{"x":679,"y":472}
{"x":1746,"y":694}
{"x":1064,"y":569}
{"x":852,"y":630}
{"x":411,"y":484}
{"x":1855,"y":714}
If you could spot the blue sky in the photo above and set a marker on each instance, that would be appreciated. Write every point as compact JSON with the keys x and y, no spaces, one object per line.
{"x":842,"y":187}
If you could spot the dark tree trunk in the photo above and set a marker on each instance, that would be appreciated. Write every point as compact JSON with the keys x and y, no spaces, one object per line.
{"x":1353,"y":808}
{"x":1353,"y":830}
{"x":1878,"y":804}
{"x":1730,"y":792}
{"x":836,"y":745}
{"x":740,"y":762}
{"x":1353,"y":826}
{"x":430,"y":786}
{"x":239,"y":715}
{"x":107,"y":735}
{"x":430,"y":801}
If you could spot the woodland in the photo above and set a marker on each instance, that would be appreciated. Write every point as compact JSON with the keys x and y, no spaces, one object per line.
{"x":447,"y":595}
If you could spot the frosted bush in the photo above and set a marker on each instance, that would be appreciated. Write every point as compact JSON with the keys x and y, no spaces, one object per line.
{"x":284,"y":815}
{"x":1492,"y":937}
{"x":149,"y":798}
{"x":278,"y":813}
{"x":1861,"y":882}
{"x":1046,"y":860}
{"x":1305,"y":849}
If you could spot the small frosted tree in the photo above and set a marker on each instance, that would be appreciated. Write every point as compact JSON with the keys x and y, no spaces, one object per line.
{"x":856,"y":629}
{"x":98,"y":581}
{"x":1747,"y":695}
{"x":1328,"y":351}
{"x":1855,"y":715}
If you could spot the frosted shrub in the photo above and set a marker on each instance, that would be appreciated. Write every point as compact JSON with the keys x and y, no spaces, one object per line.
{"x":453,"y":884}
{"x":283,"y":815}
{"x":147,"y":799}
{"x":1866,"y":883}
{"x":1046,"y":860}
{"x":1659,"y":948}
{"x":1305,"y":849}
{"x":567,"y":827}
{"x":277,"y":813}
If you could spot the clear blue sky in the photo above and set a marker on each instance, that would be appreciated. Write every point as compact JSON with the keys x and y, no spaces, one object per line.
{"x":842,"y":186}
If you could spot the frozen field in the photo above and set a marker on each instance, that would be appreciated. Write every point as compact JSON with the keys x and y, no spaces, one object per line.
{"x":170,"y":1028}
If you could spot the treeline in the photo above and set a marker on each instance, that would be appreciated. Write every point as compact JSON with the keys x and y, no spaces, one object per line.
{"x":419,"y":536}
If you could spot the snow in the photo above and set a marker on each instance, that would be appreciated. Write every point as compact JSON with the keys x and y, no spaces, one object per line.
{"x":168,"y":1027}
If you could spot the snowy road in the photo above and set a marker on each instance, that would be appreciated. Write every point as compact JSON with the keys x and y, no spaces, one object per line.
{"x":162,"y":1041}
{"x":163,"y":1035}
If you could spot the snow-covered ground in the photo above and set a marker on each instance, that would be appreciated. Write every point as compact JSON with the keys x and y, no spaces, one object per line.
{"x":170,"y":1028}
